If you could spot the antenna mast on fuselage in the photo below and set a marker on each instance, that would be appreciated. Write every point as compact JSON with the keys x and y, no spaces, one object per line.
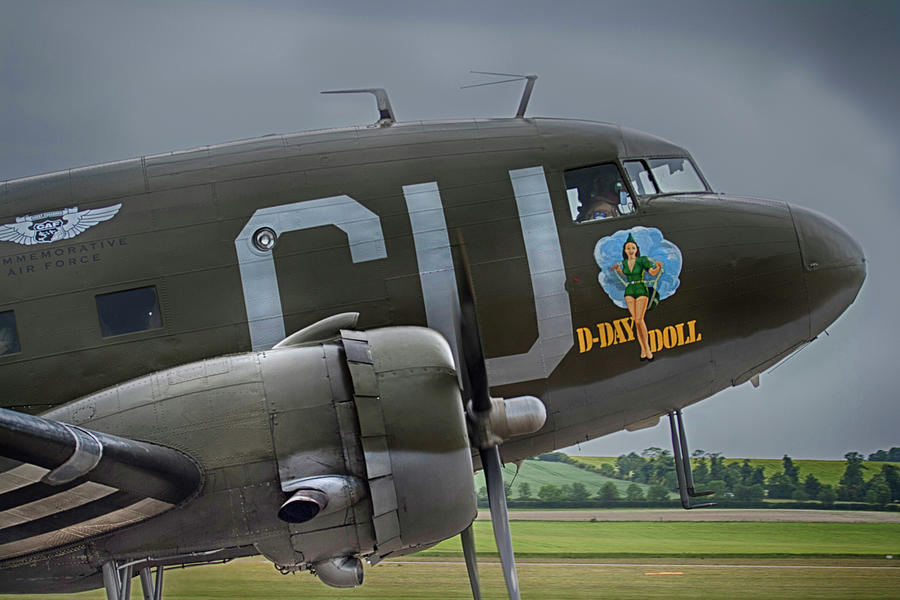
{"x":385,"y":112}
{"x":526,"y":93}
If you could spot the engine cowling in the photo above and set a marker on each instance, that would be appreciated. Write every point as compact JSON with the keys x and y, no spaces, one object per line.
{"x":371,"y":444}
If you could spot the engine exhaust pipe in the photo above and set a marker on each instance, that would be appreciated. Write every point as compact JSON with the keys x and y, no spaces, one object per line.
{"x":313,"y":496}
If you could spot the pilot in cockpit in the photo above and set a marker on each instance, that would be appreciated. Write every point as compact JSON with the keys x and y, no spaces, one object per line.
{"x":603,"y":201}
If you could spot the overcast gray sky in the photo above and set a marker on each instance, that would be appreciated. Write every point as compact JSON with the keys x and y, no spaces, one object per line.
{"x":795,"y":101}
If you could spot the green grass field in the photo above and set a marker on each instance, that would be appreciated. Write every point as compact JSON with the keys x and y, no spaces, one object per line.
{"x":537,"y":473}
{"x":826,"y":471}
{"x":693,"y":560}
{"x":655,"y":539}
{"x":597,"y":461}
{"x":256,"y":579}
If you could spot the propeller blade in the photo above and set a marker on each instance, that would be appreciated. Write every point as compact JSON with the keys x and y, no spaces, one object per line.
{"x":493,"y":475}
{"x":472,"y":355}
{"x":476,"y":388}
{"x":467,"y":536}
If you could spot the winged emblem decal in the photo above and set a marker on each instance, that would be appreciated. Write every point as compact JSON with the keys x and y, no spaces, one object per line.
{"x":56,"y":225}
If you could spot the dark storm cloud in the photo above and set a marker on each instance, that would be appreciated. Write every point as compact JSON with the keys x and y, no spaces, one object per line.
{"x":795,"y":101}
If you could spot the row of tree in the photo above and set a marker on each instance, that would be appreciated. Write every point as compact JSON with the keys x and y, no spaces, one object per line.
{"x":578,"y":492}
{"x":881,"y":488}
{"x":892,"y":455}
{"x":655,"y":467}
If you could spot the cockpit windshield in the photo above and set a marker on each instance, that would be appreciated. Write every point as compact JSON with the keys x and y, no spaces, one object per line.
{"x":664,"y":176}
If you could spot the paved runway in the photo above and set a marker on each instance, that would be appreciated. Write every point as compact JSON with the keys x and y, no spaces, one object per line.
{"x":706,"y":514}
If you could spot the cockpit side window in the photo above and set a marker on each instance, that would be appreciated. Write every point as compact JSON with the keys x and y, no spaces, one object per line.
{"x":664,"y":176}
{"x":596,"y":193}
{"x":640,"y":178}
{"x":675,"y":175}
{"x":9,"y":335}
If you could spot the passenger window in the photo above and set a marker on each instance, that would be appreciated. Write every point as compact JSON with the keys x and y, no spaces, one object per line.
{"x":640,"y":177}
{"x":9,"y":335}
{"x":597,"y":193}
{"x":129,"y":311}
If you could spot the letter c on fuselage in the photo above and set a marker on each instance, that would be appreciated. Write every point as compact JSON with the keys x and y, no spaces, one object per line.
{"x":435,"y":262}
{"x":258,"y":278}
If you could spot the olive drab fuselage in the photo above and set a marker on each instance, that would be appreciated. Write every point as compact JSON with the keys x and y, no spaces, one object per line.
{"x":246,"y":243}
{"x":353,"y":204}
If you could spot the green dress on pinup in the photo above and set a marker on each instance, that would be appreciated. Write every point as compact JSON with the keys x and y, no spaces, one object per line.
{"x":635,"y":277}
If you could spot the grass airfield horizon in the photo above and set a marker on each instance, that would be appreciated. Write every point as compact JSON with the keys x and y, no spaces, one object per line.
{"x":631,"y":559}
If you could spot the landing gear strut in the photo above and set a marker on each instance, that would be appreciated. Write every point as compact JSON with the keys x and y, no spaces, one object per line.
{"x":152,"y":586}
{"x":117,"y":581}
{"x":683,"y":464}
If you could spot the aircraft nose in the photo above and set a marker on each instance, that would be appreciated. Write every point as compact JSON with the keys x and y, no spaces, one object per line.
{"x":833,"y":263}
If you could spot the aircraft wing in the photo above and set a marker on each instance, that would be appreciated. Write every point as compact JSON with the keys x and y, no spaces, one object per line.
{"x":60,"y":483}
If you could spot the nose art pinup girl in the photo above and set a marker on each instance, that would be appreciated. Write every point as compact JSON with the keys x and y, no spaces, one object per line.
{"x":637,"y":296}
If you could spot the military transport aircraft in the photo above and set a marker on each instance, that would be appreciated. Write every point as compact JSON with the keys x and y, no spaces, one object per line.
{"x":274,"y":347}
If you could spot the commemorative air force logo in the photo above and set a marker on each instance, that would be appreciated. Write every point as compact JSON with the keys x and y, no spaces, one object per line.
{"x":55,"y":225}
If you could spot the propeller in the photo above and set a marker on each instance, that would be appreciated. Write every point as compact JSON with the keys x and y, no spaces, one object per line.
{"x":473,"y":374}
{"x":468,"y":543}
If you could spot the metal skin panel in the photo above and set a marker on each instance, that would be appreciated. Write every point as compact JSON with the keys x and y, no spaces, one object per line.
{"x":133,"y":513}
{"x":388,"y":531}
{"x":313,"y":437}
{"x":378,"y":460}
{"x":374,"y":439}
{"x":384,"y":496}
{"x":77,"y":496}
{"x":430,"y":459}
{"x":828,"y":256}
{"x":20,"y":476}
{"x":303,"y":422}
{"x":371,"y":419}
{"x":354,"y":459}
